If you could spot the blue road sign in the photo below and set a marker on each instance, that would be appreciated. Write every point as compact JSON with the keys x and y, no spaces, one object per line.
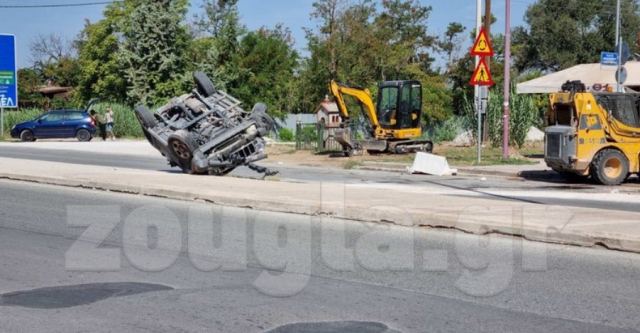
{"x":626,"y":53}
{"x":609,"y":59}
{"x":8,"y":74}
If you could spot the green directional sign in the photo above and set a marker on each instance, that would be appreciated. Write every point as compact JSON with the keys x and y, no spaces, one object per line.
{"x":7,"y":77}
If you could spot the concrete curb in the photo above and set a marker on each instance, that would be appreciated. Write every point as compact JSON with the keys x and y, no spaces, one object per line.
{"x":461,"y":171}
{"x":447,"y":220}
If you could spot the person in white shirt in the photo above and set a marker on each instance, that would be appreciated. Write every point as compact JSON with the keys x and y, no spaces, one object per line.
{"x":109,"y":121}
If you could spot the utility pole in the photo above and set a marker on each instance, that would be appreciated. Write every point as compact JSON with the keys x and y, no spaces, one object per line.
{"x":619,"y":87}
{"x":477,"y":88}
{"x":507,"y":81}
{"x":487,"y":21}
{"x":485,"y":94}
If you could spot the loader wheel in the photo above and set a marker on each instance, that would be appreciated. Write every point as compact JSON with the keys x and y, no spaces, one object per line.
{"x":204,"y":84}
{"x":181,"y":145}
{"x":610,"y":167}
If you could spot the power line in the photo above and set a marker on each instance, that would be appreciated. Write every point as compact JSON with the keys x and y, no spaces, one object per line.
{"x":60,"y":5}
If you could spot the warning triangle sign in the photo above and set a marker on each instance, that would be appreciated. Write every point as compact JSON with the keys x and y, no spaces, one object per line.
{"x":482,"y":47}
{"x":482,"y":75}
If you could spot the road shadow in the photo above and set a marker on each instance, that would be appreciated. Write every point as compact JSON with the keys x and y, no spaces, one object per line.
{"x":549,"y":176}
{"x":76,"y":295}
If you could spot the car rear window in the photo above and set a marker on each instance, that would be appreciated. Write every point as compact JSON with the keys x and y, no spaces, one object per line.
{"x":75,"y":116}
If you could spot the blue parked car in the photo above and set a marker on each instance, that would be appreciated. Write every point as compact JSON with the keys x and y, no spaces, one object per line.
{"x":57,"y":124}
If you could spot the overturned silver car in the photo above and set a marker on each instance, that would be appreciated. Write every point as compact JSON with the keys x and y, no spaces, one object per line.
{"x":207,"y":132}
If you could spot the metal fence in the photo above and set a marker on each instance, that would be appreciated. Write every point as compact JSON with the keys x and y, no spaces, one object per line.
{"x":317,"y":137}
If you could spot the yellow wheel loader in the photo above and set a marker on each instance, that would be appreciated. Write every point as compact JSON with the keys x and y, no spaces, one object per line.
{"x":593,"y":134}
{"x":394,"y":124}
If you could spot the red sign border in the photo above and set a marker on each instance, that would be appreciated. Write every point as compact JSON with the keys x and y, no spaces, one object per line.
{"x":490,"y":53}
{"x":489,"y":83}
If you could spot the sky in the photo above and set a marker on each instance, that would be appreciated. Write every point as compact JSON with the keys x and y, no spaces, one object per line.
{"x":27,"y":23}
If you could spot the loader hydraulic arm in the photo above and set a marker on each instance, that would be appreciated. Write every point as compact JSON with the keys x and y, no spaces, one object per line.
{"x":362,"y":95}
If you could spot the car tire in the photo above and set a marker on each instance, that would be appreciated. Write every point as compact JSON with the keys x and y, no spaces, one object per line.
{"x":204,"y":84}
{"x":27,"y":136}
{"x":145,"y":117}
{"x":610,"y":167}
{"x":263,"y":120}
{"x":182,"y":146}
{"x":83,"y":135}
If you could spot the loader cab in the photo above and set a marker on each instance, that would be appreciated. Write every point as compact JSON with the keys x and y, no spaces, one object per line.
{"x":399,"y":104}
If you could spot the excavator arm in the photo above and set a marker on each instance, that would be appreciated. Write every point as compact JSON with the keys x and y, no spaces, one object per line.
{"x":361,"y":95}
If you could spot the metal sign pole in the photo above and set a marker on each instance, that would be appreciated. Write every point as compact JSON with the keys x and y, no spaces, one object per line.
{"x":506,"y":116}
{"x":619,"y":41}
{"x":477,"y":99}
{"x":480,"y":109}
{"x":1,"y":121}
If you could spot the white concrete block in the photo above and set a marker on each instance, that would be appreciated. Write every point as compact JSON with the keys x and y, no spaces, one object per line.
{"x":431,"y":165}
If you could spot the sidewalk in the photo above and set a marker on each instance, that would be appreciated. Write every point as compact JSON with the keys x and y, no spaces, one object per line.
{"x":428,"y":206}
{"x":505,"y":170}
{"x":143,"y":148}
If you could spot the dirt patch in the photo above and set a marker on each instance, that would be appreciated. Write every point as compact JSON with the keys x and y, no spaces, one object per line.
{"x":458,"y":156}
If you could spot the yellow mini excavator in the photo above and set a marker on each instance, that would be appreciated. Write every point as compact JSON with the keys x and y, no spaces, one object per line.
{"x":394,"y":125}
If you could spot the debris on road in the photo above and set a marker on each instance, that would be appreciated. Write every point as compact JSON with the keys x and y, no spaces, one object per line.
{"x":207,"y":132}
{"x":430,"y":164}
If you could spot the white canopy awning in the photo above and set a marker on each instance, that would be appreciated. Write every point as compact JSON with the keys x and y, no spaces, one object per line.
{"x":590,"y":74}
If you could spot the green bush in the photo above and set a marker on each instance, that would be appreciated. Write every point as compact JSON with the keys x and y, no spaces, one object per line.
{"x":308,"y":134}
{"x":448,"y":129}
{"x":285,"y":134}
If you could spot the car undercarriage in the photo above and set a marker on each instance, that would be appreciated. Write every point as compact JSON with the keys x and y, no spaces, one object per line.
{"x":207,"y":131}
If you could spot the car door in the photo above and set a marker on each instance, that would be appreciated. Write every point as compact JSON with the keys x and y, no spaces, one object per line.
{"x":49,"y":125}
{"x":73,"y":120}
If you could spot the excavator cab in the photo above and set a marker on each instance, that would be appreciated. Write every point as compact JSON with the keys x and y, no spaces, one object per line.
{"x":399,"y":104}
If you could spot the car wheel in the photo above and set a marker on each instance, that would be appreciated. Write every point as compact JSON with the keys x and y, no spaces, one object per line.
{"x":83,"y":135}
{"x":27,"y":136}
{"x":263,"y":120}
{"x":182,"y":146}
{"x":145,"y":117}
{"x":610,"y":167}
{"x":204,"y":84}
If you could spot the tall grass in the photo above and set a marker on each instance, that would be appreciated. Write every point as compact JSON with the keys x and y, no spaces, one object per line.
{"x":524,"y":115}
{"x":12,"y":118}
{"x":125,"y":122}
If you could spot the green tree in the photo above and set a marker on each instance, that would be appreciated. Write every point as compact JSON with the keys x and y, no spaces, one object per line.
{"x":267,"y":63}
{"x":563,"y":33}
{"x":100,"y":75}
{"x":28,"y":84}
{"x":450,"y":43}
{"x":221,"y":22}
{"x":404,"y":24}
{"x":153,"y":52}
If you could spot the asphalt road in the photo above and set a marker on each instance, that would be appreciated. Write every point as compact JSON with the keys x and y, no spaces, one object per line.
{"x":509,"y":188}
{"x":282,"y":273}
